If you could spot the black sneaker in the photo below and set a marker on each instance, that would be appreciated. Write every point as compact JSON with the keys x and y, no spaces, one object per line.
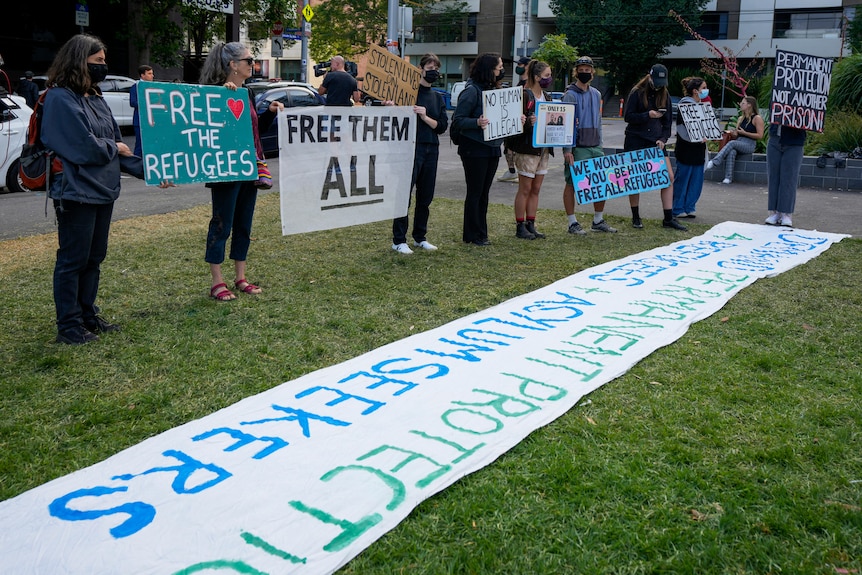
{"x":76,"y":336}
{"x":637,"y":223}
{"x":673,"y":224}
{"x":98,"y":325}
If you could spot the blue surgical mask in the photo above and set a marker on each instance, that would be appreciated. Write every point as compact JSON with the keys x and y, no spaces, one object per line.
{"x":704,"y":93}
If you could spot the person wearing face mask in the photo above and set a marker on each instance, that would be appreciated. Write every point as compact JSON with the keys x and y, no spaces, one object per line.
{"x":78,"y":126}
{"x":433,"y":120}
{"x":647,"y":114}
{"x":588,"y":141}
{"x":479,"y":157}
{"x":512,"y":174}
{"x":690,"y":154}
{"x":531,"y":162}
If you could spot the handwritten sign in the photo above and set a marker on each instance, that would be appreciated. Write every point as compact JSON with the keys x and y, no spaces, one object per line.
{"x":605,"y":177}
{"x":388,"y":77}
{"x":555,"y":125}
{"x":800,"y":89}
{"x":192,"y":133}
{"x":346,"y":167}
{"x":700,"y":121}
{"x":504,"y":109}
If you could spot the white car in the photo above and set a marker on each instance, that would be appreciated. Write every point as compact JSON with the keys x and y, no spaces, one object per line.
{"x":14,"y":120}
{"x":115,"y":90}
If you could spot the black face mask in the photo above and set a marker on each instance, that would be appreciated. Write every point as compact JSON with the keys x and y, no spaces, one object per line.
{"x":520,"y":70}
{"x":98,"y":72}
{"x":501,"y":75}
{"x":431,"y":76}
{"x":585,"y":77}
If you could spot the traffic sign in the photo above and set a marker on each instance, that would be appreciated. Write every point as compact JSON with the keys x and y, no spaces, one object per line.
{"x":277,"y":29}
{"x":292,"y":36}
{"x":308,"y":12}
{"x":82,"y":15}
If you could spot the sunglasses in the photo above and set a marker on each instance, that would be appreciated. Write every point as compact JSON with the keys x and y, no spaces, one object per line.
{"x":249,"y":60}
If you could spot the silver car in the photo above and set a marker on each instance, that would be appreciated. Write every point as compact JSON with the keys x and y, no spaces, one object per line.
{"x":115,"y":90}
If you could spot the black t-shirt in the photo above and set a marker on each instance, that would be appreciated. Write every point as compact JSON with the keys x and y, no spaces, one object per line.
{"x":339,"y":88}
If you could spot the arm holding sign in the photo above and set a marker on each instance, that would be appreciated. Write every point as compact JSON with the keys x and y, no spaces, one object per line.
{"x":690,"y":148}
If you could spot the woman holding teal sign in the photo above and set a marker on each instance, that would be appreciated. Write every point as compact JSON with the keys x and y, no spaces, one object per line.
{"x":230,"y":65}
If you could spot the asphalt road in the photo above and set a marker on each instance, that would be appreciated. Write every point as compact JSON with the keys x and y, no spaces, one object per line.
{"x":825,"y":210}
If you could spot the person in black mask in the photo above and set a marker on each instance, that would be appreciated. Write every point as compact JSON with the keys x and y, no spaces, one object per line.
{"x":78,"y":126}
{"x":479,"y":157}
{"x":430,"y":109}
{"x":512,"y":174}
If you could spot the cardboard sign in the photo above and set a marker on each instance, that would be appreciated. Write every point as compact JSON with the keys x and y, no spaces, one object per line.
{"x":340,"y":167}
{"x":504,"y":109}
{"x":606,"y":177}
{"x":700,"y":121}
{"x":800,"y":89}
{"x":388,"y":77}
{"x":192,"y":133}
{"x":555,"y":125}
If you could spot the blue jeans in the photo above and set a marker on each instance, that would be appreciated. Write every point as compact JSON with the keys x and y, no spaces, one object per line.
{"x":424,"y":180}
{"x":687,"y":186}
{"x":82,"y":231}
{"x":233,"y":211}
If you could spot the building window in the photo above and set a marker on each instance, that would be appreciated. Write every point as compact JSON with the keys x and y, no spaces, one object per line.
{"x":444,"y":28}
{"x":713,"y":26}
{"x":807,"y":24}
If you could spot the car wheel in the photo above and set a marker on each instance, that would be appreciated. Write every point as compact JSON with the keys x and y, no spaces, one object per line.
{"x":13,"y":181}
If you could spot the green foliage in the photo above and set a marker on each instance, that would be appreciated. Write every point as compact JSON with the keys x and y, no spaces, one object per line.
{"x":556,"y":51}
{"x":845,"y":90}
{"x":841,"y":133}
{"x":675,"y":76}
{"x":854,"y":32}
{"x":735,"y":449}
{"x":629,"y":36}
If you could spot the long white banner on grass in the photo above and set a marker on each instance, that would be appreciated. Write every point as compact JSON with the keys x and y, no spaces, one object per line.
{"x":303,"y":477}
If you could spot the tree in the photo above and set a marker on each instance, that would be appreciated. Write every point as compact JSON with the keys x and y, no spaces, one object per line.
{"x":628,"y":36}
{"x":853,"y":33}
{"x":347,"y":27}
{"x":556,"y":51}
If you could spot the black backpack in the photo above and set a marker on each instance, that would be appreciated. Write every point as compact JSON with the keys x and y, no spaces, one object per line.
{"x":37,"y":162}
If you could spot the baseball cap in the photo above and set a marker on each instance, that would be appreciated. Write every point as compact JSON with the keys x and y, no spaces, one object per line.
{"x":585,"y":61}
{"x":659,"y":76}
{"x":523,"y":60}
{"x":28,"y":74}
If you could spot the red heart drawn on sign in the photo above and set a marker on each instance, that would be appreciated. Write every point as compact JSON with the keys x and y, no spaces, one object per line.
{"x":236,"y":106}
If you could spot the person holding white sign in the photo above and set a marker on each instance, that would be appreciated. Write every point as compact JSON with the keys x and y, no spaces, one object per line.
{"x":433,"y":120}
{"x":479,"y":157}
{"x":588,"y":142}
{"x":648,"y":118}
{"x":749,"y":129}
{"x":690,"y":154}
{"x":531,"y":163}
{"x":233,"y":202}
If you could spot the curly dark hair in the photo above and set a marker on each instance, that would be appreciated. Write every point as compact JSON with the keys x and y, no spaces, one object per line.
{"x":69,"y":69}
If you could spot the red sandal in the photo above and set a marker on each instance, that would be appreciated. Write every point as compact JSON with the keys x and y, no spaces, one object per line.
{"x":220,"y":292}
{"x":249,"y":288}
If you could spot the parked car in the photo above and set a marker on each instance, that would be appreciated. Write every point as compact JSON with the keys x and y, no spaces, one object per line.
{"x":14,"y":120}
{"x":457,"y":88}
{"x":115,"y":90}
{"x":258,"y":88}
{"x":294,"y":95}
{"x":447,"y":97}
{"x":557,"y":96}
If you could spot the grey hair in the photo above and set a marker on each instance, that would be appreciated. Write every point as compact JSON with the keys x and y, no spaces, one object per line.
{"x":217,"y":65}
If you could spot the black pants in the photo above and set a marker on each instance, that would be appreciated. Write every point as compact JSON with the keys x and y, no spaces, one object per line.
{"x":424,"y":180}
{"x":479,"y":173}
{"x":82,"y":231}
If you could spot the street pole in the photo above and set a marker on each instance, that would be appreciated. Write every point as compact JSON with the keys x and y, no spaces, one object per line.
{"x":392,"y":26}
{"x":305,"y":28}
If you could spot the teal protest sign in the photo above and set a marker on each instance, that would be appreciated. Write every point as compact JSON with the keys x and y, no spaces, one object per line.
{"x":192,"y":133}
{"x":606,"y":177}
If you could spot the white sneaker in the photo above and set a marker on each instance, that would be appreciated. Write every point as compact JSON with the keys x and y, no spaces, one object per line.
{"x":786,"y":221}
{"x":773,"y":219}
{"x":710,"y":165}
{"x":725,"y":181}
{"x":425,"y":245}
{"x":402,"y":249}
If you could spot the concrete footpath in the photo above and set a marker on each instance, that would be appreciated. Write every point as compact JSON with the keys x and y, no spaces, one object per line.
{"x":825,"y":210}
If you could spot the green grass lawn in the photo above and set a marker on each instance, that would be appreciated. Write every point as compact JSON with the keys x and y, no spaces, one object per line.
{"x":737,"y":449}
